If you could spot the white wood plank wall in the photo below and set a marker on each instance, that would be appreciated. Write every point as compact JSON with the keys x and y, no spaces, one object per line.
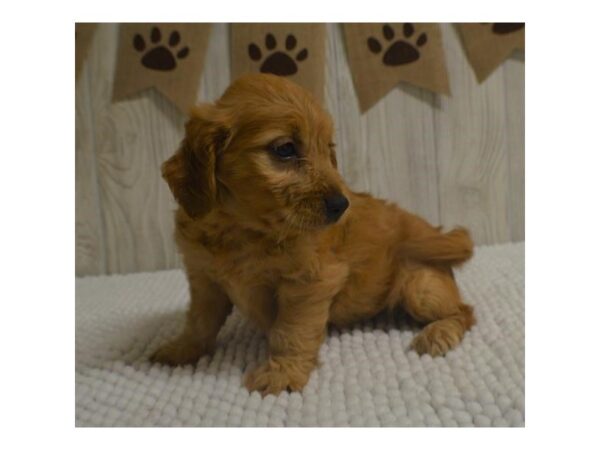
{"x":454,"y":160}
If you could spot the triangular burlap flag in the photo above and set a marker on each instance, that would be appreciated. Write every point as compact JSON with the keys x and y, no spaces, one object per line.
{"x":295,"y":51}
{"x":488,"y":44}
{"x":382,"y":55}
{"x":84,"y":32}
{"x":166,"y":56}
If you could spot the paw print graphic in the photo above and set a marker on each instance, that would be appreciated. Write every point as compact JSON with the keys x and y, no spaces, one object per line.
{"x":506,"y":28}
{"x":278,"y":62}
{"x":160,"y":57}
{"x":401,"y":51}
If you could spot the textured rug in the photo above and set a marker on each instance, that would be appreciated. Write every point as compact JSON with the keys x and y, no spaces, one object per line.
{"x":368,"y":375}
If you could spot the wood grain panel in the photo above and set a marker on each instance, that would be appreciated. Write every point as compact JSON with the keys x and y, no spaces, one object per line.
{"x":342,"y":103}
{"x":217,"y":67}
{"x":390,"y":150}
{"x":472,"y":149}
{"x":514,"y":90}
{"x":90,"y":256}
{"x":133,"y":137}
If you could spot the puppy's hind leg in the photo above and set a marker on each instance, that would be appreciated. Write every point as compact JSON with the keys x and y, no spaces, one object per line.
{"x":431,"y":296}
{"x":209,"y":307}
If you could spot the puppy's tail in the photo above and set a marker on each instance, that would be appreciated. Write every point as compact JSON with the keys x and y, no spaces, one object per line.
{"x":452,"y":248}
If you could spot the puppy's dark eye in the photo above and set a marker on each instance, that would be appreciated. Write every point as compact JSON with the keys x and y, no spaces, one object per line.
{"x":285,"y":151}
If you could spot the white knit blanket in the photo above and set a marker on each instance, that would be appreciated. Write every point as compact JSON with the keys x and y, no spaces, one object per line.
{"x":368,"y":375}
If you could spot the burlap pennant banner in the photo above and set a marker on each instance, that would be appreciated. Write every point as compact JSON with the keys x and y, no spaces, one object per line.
{"x":166,"y":56}
{"x":84,"y":33}
{"x":487,"y":45}
{"x":295,"y":51}
{"x":382,"y":55}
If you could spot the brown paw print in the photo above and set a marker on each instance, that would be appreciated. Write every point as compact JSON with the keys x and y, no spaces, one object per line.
{"x":401,"y":51}
{"x":278,"y":62}
{"x":506,"y":28}
{"x":160,"y":57}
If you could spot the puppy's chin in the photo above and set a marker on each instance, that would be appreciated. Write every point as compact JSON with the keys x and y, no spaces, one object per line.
{"x":303,"y":222}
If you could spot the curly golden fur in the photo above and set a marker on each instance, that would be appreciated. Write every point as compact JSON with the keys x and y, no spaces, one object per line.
{"x":262,"y":224}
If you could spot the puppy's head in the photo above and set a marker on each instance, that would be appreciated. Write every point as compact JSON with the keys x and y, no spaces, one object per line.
{"x":263,"y":151}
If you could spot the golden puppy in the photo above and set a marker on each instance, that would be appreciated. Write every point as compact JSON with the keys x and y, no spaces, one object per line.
{"x":266,"y":223}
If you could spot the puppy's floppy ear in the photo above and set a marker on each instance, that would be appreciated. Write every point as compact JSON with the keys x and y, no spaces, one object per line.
{"x":191,"y":172}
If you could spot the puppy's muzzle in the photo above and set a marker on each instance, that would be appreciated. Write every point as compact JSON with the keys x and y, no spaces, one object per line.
{"x":335,"y":205}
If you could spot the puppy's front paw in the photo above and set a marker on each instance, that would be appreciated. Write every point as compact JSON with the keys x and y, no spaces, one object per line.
{"x":179,"y":353}
{"x":273,"y":376}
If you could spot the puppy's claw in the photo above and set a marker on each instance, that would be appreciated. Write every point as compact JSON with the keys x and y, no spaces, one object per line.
{"x":435,"y":340}
{"x":272,"y":378}
{"x":178,"y":353}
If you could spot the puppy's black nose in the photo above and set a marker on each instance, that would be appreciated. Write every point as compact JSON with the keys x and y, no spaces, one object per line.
{"x":335,"y":205}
